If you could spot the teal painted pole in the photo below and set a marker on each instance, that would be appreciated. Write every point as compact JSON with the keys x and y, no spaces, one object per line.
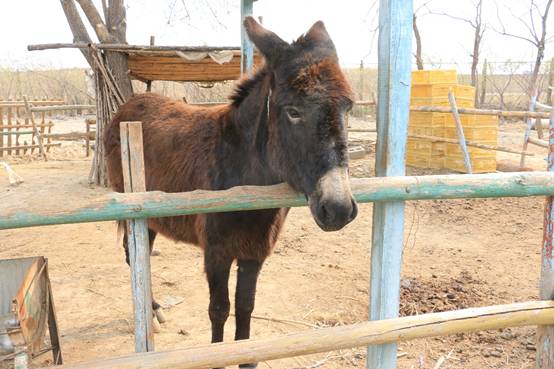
{"x":545,"y":333}
{"x":394,"y":75}
{"x":246,"y":47}
{"x":117,"y":206}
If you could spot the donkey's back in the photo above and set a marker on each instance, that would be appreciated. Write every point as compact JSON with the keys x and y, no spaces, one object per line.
{"x":178,"y":139}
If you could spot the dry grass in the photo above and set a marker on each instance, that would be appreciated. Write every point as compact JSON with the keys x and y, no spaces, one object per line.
{"x":71,"y":86}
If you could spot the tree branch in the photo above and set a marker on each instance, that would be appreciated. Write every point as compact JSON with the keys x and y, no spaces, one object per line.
{"x":95,"y":20}
{"x":80,"y":34}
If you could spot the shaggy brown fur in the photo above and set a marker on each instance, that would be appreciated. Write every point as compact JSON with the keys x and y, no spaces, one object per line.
{"x":284,"y":123}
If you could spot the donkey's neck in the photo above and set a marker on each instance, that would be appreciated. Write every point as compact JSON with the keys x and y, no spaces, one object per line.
{"x":250,"y":151}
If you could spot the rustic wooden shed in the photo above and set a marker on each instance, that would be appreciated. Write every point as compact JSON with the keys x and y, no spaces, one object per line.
{"x":114,"y":62}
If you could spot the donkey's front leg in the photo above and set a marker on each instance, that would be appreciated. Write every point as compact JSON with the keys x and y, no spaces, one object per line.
{"x":217,"y":271}
{"x":247,"y":276}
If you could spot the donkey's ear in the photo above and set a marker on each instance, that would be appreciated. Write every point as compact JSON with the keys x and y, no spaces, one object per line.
{"x":318,"y":35}
{"x":266,"y":41}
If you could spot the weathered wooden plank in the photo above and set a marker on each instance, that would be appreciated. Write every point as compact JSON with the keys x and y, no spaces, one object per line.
{"x":394,"y":75}
{"x":470,"y":143}
{"x":335,"y":338}
{"x":503,"y":113}
{"x":527,"y":134}
{"x":460,"y":131}
{"x":129,"y":48}
{"x":42,"y":109}
{"x":545,"y":333}
{"x":132,"y":158}
{"x":117,"y":206}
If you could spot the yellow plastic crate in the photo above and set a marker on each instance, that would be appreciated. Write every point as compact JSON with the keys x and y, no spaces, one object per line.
{"x":425,"y":154}
{"x":425,"y":146}
{"x":424,"y":161}
{"x":472,"y":120}
{"x":442,"y":90}
{"x":478,"y":134}
{"x":441,"y":101}
{"x":434,"y":76}
{"x":426,"y":131}
{"x":427,"y":119}
{"x":478,"y":165}
{"x":464,"y":92}
{"x":452,"y":149}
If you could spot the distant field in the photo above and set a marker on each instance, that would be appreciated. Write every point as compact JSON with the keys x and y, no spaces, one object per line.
{"x":71,"y":85}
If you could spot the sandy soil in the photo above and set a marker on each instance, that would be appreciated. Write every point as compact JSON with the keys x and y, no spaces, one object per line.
{"x":457,"y":254}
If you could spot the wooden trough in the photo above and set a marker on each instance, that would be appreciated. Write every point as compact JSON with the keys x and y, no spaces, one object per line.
{"x":26,"y":309}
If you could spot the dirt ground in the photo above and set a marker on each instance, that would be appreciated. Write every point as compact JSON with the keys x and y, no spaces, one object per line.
{"x":458,"y":253}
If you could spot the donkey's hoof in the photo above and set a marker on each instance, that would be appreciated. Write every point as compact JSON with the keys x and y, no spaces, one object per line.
{"x":160,"y":316}
{"x":248,"y":366}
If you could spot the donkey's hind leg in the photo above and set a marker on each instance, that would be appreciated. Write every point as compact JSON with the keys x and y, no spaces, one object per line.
{"x":247,"y":277}
{"x":156,"y":308}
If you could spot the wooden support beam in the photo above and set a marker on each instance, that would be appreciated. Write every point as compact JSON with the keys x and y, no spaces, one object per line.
{"x":35,"y":128}
{"x":335,"y":338}
{"x":460,"y":131}
{"x":117,"y":206}
{"x":545,"y":333}
{"x":503,"y":113}
{"x":537,"y":142}
{"x":469,"y":143}
{"x":41,"y":109}
{"x":527,"y":134}
{"x":130,"y":48}
{"x":394,"y":74}
{"x":132,"y":163}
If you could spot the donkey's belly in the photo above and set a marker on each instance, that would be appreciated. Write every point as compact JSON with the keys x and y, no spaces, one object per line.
{"x":182,"y":228}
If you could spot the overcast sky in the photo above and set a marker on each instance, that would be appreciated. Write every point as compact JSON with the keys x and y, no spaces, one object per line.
{"x":351,"y":24}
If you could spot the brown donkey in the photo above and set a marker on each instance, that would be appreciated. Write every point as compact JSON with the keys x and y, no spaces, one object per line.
{"x":284,"y":123}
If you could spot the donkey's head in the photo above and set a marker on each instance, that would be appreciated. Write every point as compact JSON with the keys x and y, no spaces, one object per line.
{"x":307,"y":103}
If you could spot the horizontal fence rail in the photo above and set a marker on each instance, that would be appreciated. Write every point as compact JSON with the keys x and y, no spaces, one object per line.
{"x":118,"y":206}
{"x":336,"y":338}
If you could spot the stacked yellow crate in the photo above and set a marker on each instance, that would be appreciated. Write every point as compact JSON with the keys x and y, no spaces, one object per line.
{"x":477,"y":128}
{"x":430,"y":88}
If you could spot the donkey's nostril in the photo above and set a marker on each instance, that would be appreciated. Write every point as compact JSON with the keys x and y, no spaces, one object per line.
{"x":323,"y":212}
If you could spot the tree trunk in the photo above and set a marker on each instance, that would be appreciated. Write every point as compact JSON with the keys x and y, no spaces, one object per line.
{"x":417,"y":35}
{"x":550,"y":87}
{"x":113,"y":30}
{"x":483,"y":85}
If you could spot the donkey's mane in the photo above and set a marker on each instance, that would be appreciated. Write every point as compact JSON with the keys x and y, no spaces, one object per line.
{"x":246,"y":84}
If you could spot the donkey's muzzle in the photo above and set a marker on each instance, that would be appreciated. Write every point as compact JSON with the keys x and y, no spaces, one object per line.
{"x":332,"y":204}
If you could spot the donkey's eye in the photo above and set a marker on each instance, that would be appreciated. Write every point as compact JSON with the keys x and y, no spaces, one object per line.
{"x":293,"y":114}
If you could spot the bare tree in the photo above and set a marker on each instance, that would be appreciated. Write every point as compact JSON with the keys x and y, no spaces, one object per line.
{"x":112,"y":30}
{"x":537,"y":37}
{"x":476,"y":22}
{"x":501,"y":78}
{"x":417,"y":35}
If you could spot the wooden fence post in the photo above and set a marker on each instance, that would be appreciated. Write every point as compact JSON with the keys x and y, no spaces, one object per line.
{"x":545,"y":334}
{"x":395,"y":17}
{"x":460,"y":131}
{"x":527,"y":134}
{"x":1,"y":130}
{"x":9,"y":120}
{"x":132,"y":158}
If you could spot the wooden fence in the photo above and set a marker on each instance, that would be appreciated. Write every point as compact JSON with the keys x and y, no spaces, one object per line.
{"x":25,"y":127}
